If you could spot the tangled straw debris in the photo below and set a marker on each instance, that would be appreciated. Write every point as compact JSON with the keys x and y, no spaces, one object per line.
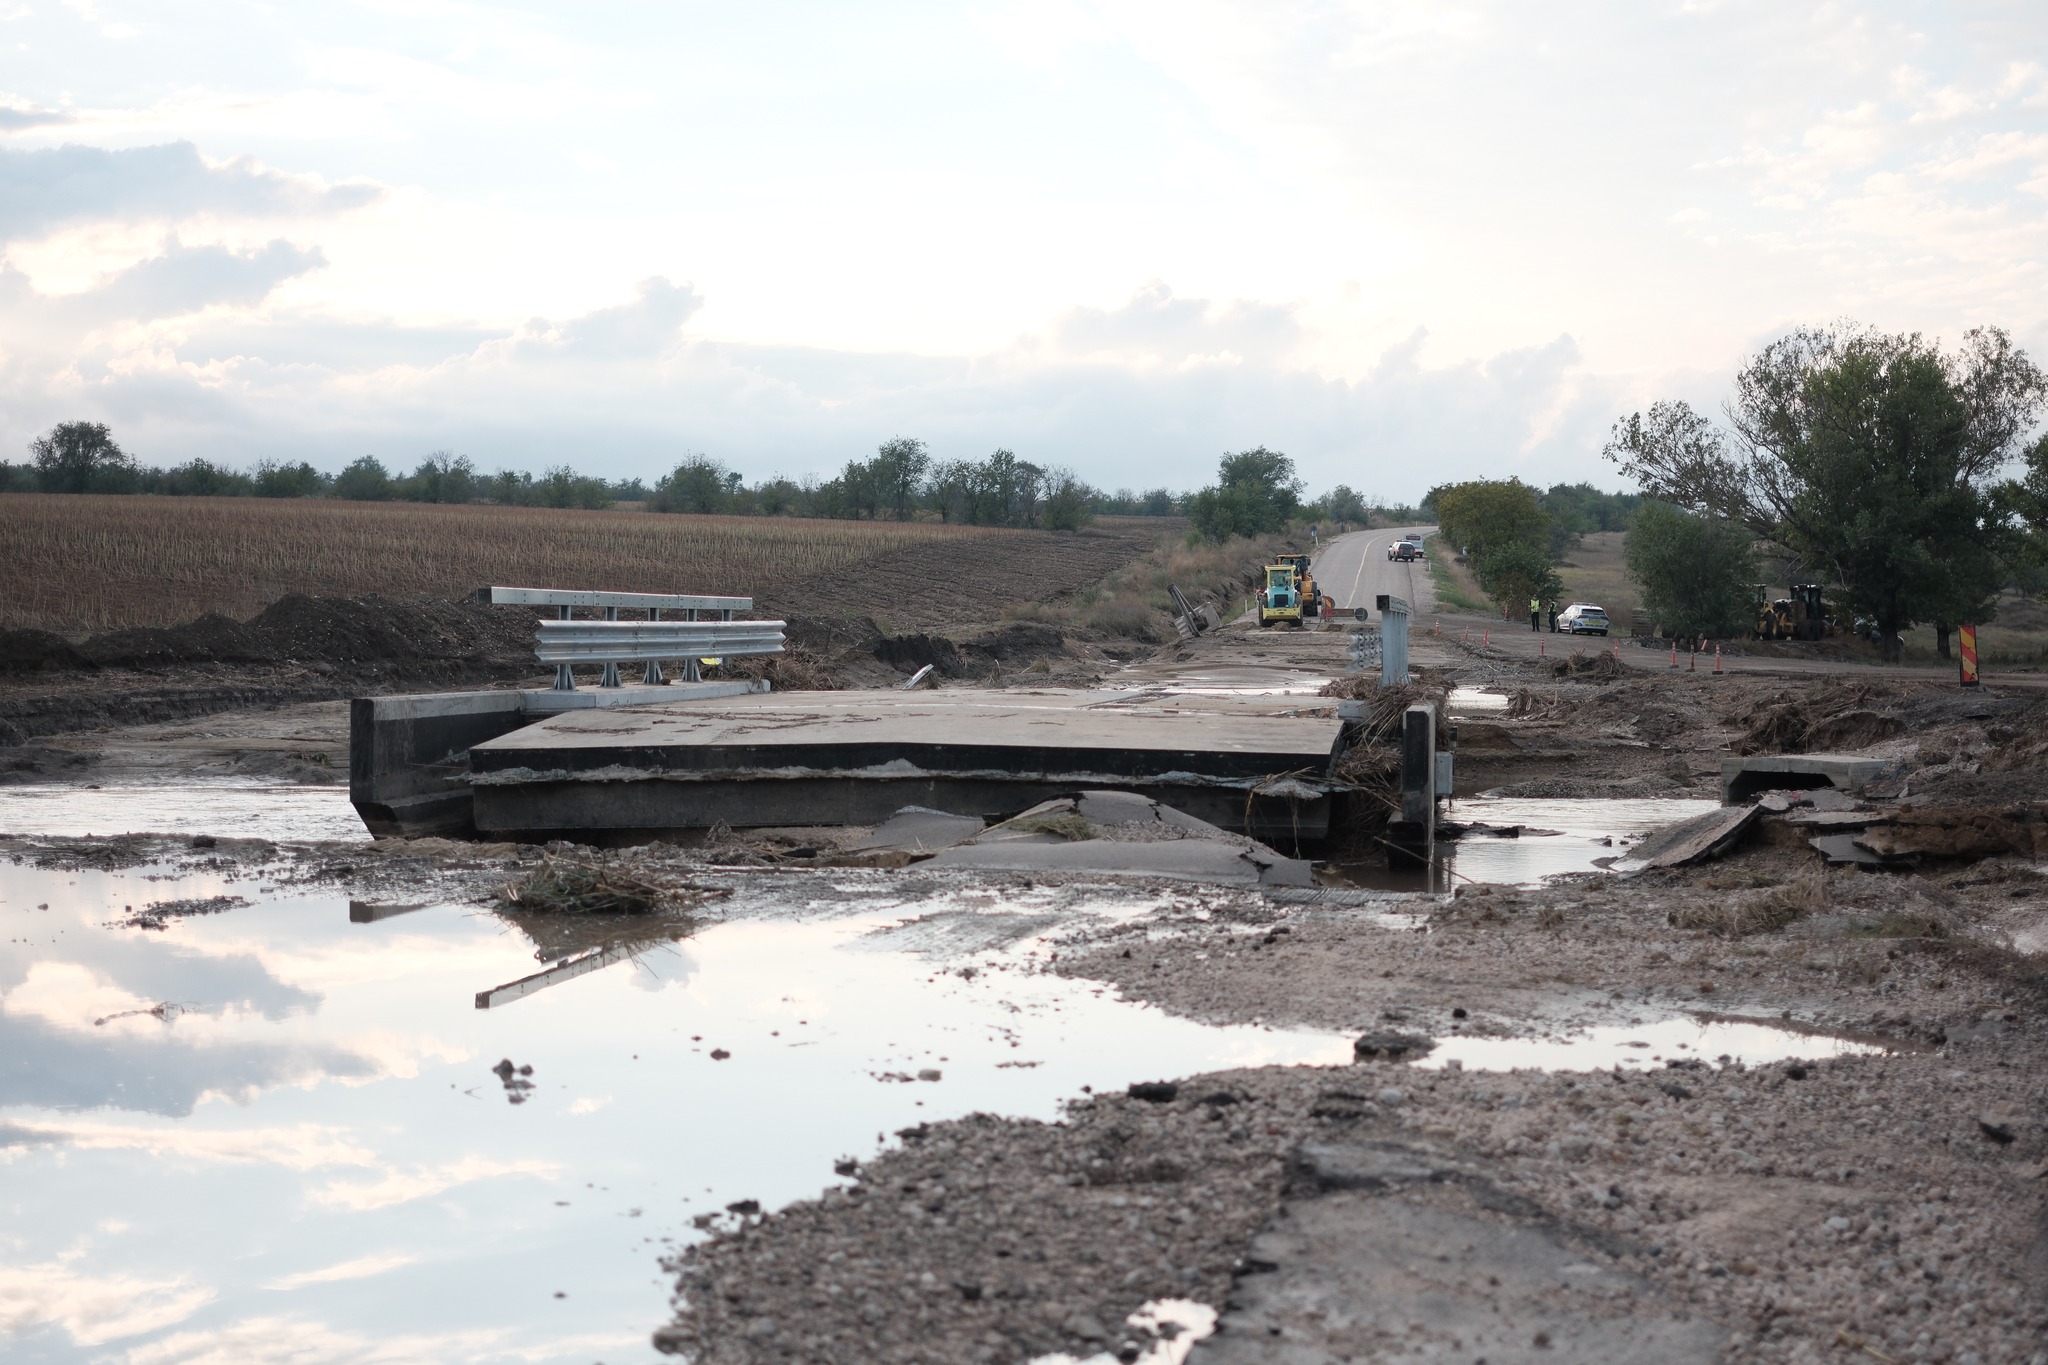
{"x":569,"y":886}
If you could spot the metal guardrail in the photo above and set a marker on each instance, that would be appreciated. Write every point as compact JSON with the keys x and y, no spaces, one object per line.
{"x":611,"y":643}
{"x":706,"y":630}
{"x":613,"y":601}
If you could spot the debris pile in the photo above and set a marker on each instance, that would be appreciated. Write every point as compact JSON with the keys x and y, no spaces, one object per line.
{"x":572,"y":886}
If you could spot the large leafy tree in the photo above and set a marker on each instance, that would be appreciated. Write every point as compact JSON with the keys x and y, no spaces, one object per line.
{"x":1517,"y":572}
{"x":82,"y":457}
{"x":1694,"y":570}
{"x":1488,"y":515}
{"x":898,"y":470}
{"x":1256,"y":491}
{"x":1868,"y":457}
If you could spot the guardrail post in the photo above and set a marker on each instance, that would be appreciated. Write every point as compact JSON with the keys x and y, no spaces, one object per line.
{"x":611,"y":670}
{"x":1412,"y":838}
{"x":565,"y":676}
{"x":651,"y":675}
{"x":1393,"y":639}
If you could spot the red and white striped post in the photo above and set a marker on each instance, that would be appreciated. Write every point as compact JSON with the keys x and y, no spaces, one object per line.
{"x":1966,"y":649}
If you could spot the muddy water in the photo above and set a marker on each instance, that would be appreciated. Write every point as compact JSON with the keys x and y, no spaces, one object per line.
{"x":275,"y":1130}
{"x":1655,"y":1044}
{"x":221,"y":809}
{"x":1556,"y":835}
{"x":1549,"y":837}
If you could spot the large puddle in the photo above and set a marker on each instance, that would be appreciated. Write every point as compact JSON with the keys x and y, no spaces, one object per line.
{"x":1658,"y":1044}
{"x":275,"y":1131}
{"x":1519,"y":841}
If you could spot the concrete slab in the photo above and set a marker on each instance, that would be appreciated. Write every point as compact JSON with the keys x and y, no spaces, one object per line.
{"x":409,"y":754}
{"x":858,"y":757}
{"x":915,"y":829}
{"x":1211,"y":861}
{"x":1742,"y":778}
{"x":1689,"y":841}
{"x":1389,"y":1248}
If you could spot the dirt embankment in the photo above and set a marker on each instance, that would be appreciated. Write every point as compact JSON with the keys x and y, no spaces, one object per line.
{"x":304,"y":648}
{"x":297,"y":649}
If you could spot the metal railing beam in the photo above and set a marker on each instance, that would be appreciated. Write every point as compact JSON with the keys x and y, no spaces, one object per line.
{"x":630,"y":601}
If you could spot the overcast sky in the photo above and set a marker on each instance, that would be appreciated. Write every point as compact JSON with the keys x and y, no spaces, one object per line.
{"x":1403,"y":242}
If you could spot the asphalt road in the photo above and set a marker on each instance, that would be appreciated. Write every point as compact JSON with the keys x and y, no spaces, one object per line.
{"x":1354,"y":569}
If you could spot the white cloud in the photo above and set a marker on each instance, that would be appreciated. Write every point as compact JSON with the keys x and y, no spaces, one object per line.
{"x":44,"y":189}
{"x":402,"y":1187}
{"x":1127,"y":233}
{"x":92,"y":1309}
{"x":361,"y":1268}
{"x":297,"y":1147}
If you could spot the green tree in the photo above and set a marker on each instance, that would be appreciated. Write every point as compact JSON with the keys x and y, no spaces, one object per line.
{"x":197,"y":478}
{"x":1068,"y":501}
{"x":441,"y":477}
{"x":1868,"y":458}
{"x":898,"y":469}
{"x":1695,"y":571}
{"x":1341,"y":504}
{"x":1486,"y":515}
{"x":1256,"y":491}
{"x":82,"y":457}
{"x":699,"y":484}
{"x":365,"y":480}
{"x":274,"y":480}
{"x":1513,"y":573}
{"x":562,"y":486}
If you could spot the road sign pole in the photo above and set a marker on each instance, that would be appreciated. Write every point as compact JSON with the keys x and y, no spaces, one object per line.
{"x":1966,"y":649}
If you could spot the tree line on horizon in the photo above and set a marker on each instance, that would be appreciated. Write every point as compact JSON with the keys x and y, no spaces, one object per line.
{"x":1257,"y":490}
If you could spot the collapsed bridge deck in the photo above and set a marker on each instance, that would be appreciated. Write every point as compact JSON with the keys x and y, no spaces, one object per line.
{"x":1256,"y":764}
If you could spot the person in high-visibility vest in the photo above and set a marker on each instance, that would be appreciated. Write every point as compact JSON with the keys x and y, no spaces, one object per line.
{"x":1535,"y":613}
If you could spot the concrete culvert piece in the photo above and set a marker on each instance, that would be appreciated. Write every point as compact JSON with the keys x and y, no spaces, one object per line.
{"x":1124,"y":833}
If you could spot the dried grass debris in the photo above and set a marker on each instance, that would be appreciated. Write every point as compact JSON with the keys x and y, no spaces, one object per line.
{"x":1764,"y":912}
{"x":1581,"y":665}
{"x":573,"y":886}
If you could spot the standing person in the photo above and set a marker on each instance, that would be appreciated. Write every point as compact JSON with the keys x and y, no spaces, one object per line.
{"x":1535,"y":613}
{"x":1553,"y":616}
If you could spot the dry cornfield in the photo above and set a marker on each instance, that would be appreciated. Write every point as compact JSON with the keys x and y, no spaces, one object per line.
{"x":77,"y":563}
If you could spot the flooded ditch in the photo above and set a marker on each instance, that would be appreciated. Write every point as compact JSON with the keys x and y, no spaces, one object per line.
{"x":239,"y":1115}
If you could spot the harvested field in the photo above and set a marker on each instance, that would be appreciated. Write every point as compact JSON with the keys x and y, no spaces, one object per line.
{"x":950,"y":583}
{"x":84,"y":563}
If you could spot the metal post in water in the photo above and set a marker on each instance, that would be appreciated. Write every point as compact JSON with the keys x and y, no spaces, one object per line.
{"x":1413,"y":837}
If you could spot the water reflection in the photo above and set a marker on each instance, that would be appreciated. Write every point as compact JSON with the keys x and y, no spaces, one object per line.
{"x":221,"y":809}
{"x":1519,"y":841}
{"x":314,"y":1158}
{"x":1656,"y":1044}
